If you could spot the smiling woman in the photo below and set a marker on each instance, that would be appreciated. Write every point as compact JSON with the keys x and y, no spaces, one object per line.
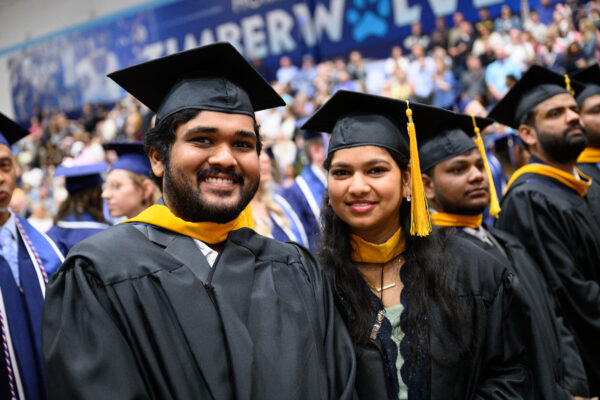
{"x":417,"y":307}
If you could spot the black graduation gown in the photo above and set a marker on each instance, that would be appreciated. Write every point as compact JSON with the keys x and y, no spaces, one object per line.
{"x":561,"y":231}
{"x":551,"y":350}
{"x":592,"y":170}
{"x":136,"y":312}
{"x":497,"y":368}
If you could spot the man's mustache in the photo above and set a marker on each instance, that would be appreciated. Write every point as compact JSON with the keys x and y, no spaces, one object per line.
{"x":234,"y":175}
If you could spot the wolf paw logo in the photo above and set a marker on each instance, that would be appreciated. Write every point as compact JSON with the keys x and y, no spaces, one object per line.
{"x":368,"y":18}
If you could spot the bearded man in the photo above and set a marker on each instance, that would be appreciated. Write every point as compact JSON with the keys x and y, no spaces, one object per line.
{"x":186,"y":301}
{"x":551,"y":206}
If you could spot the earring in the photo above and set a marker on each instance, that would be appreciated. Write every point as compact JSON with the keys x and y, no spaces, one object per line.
{"x":329,"y":202}
{"x":408,"y":197}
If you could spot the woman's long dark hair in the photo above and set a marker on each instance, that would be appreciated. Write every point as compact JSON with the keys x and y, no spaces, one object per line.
{"x":426,"y":277}
{"x":88,"y":201}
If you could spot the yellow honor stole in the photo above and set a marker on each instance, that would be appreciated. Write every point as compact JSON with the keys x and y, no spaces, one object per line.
{"x":580,"y":186}
{"x":367,"y":252}
{"x":589,"y":155}
{"x":208,"y":232}
{"x":444,"y":219}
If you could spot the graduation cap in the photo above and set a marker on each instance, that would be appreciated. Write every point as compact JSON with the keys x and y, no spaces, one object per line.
{"x":131,"y":157}
{"x":535,"y":86}
{"x":590,"y":80}
{"x":81,"y":177}
{"x":358,"y":119}
{"x":307,"y":134}
{"x":215,"y":77}
{"x":10,"y":131}
{"x":448,"y":136}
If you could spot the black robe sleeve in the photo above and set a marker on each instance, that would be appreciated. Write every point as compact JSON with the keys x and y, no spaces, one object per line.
{"x":75,"y":295}
{"x":565,"y":243}
{"x":339,"y":351}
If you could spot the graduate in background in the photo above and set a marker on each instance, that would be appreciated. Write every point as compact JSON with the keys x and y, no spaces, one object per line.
{"x":186,"y":301}
{"x":589,"y":109}
{"x":27,"y":259}
{"x":459,"y":188}
{"x":80,"y":214}
{"x":273,"y":215}
{"x":431,"y":315}
{"x":306,"y":194}
{"x":128,"y":189}
{"x":551,"y":206}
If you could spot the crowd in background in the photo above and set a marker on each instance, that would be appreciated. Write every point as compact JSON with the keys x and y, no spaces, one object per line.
{"x":462,"y":66}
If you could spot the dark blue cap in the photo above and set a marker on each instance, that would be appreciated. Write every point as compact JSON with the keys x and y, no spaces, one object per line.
{"x":307,"y":134}
{"x":131,"y":157}
{"x":10,"y":131}
{"x":590,"y":79}
{"x":81,"y":177}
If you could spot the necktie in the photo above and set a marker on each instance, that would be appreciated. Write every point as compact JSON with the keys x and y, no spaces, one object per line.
{"x":9,"y":252}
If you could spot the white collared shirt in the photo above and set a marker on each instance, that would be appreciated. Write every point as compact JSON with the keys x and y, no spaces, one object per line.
{"x":210,"y":254}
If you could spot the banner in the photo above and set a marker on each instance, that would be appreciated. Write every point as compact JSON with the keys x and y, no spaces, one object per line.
{"x":69,"y":70}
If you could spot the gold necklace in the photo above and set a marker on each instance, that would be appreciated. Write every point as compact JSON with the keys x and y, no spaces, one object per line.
{"x":382,"y":287}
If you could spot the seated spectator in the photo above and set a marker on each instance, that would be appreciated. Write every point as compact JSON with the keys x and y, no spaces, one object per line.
{"x":417,"y":37}
{"x":472,"y":81}
{"x":521,"y":53}
{"x":443,"y":91}
{"x":420,"y":75}
{"x":550,"y":55}
{"x":545,"y":10}
{"x":345,"y":83}
{"x":588,"y":38}
{"x":439,"y":36}
{"x":574,"y":58}
{"x":455,"y":32}
{"x":397,"y":86}
{"x":462,"y":47}
{"x":396,"y":60}
{"x":356,"y":66}
{"x":287,"y":71}
{"x":506,"y":21}
{"x":305,"y":76}
{"x":496,"y":72}
{"x":487,"y":36}
{"x":535,"y":26}
{"x":484,"y":20}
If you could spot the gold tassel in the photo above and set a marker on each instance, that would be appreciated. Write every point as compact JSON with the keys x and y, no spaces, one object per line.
{"x":420,"y":224}
{"x":568,"y":85}
{"x":494,"y":204}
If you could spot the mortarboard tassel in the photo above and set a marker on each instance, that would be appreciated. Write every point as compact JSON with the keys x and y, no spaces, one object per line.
{"x":420,"y":224}
{"x":494,"y":204}
{"x":568,"y":85}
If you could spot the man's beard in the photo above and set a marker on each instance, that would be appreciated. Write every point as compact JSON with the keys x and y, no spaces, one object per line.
{"x":187,"y":203}
{"x":562,"y":149}
{"x":450,"y":207}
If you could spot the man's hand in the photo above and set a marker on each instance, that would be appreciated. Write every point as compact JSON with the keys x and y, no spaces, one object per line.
{"x":585,"y":398}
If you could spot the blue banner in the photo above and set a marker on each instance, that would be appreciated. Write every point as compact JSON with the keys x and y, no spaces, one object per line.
{"x":68,"y":70}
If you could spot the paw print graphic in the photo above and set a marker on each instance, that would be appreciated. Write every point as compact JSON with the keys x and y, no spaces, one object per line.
{"x":368,"y":18}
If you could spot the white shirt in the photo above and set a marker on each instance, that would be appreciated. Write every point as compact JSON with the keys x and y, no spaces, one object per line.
{"x":210,"y":254}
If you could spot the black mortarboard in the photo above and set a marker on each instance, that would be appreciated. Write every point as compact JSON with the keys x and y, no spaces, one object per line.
{"x":131,"y":157}
{"x":536,"y":85}
{"x":590,"y":80}
{"x":81,"y":177}
{"x":448,"y":137}
{"x":10,"y":131}
{"x":215,"y":77}
{"x":358,"y":119}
